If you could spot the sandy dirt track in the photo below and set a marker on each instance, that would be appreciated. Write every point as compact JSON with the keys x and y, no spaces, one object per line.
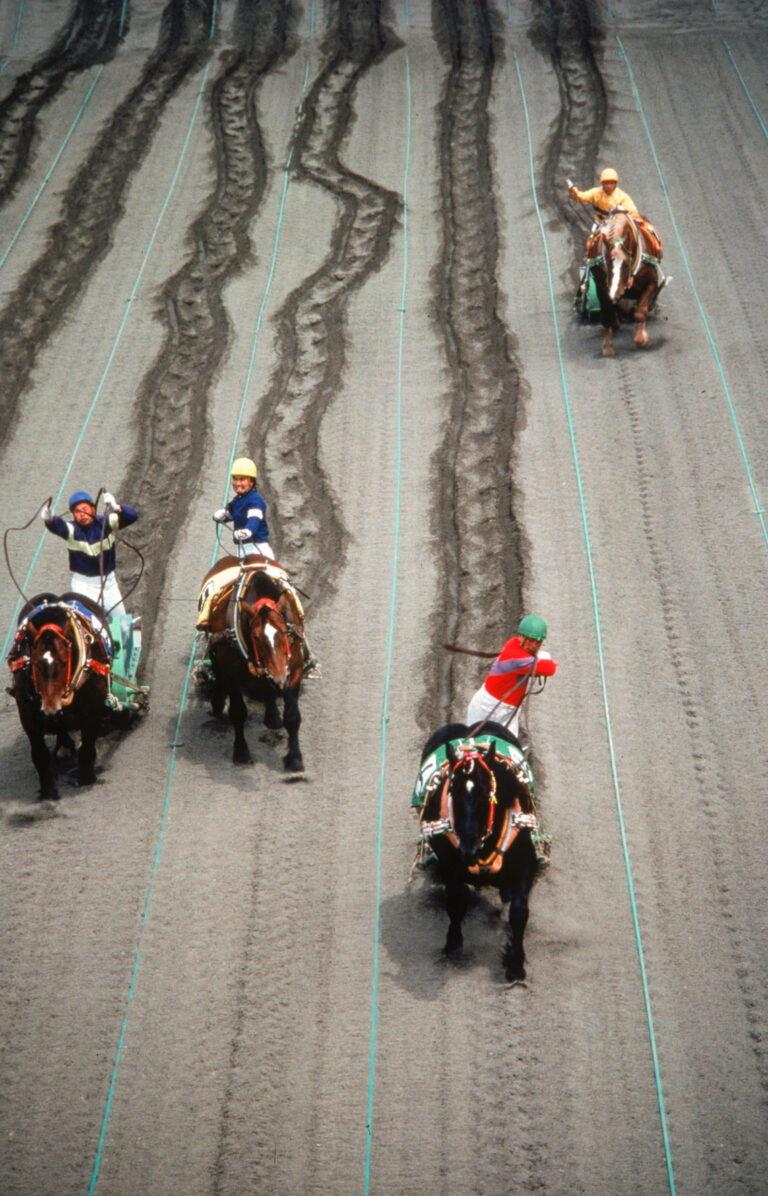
{"x":334,"y":236}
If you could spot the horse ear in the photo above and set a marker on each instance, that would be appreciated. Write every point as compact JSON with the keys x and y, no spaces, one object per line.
{"x":451,"y":756}
{"x":490,"y":755}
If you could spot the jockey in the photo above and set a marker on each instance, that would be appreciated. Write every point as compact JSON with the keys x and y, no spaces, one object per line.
{"x":247,"y":511}
{"x":501,"y":695}
{"x":608,"y":195}
{"x":91,"y":542}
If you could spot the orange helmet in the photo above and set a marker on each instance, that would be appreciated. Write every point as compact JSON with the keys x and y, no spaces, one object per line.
{"x":609,"y":175}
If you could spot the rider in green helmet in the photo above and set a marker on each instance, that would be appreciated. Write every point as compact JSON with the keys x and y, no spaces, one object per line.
{"x":500,"y":697}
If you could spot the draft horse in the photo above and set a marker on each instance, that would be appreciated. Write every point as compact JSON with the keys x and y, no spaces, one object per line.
{"x":255,"y":649}
{"x":60,"y":661}
{"x":478,"y":818}
{"x":624,"y":256}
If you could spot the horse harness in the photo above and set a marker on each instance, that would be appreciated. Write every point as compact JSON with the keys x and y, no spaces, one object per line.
{"x":641,"y":259}
{"x":256,"y":666}
{"x":84,"y":637}
{"x":494,"y":847}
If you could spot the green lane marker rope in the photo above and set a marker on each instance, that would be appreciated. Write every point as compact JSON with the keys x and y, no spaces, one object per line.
{"x":391,"y":631}
{"x":598,"y":631}
{"x":758,"y":509}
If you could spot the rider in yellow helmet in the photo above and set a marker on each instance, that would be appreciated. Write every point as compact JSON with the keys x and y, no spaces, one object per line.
{"x":608,"y":195}
{"x":247,"y":511}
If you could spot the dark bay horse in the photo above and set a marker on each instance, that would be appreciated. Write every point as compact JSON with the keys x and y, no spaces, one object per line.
{"x":254,"y":630}
{"x":624,"y":256}
{"x":60,"y":662}
{"x":479,"y":819}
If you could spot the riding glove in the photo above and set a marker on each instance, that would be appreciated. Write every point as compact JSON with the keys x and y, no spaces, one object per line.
{"x":221,"y":516}
{"x":46,"y":514}
{"x":110,"y":502}
{"x":241,"y":534}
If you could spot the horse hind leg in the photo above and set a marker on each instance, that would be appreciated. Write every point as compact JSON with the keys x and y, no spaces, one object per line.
{"x":514,"y":952}
{"x":641,"y":334}
{"x":41,"y":758}
{"x":86,"y":760}
{"x":237,"y":716}
{"x":292,"y":719}
{"x":456,"y":901}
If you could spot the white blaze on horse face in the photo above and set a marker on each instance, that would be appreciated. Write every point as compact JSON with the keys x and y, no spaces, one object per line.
{"x":271,"y":634}
{"x":615,"y":279}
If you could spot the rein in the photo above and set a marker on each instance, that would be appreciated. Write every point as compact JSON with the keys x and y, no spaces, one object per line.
{"x":257,"y":667}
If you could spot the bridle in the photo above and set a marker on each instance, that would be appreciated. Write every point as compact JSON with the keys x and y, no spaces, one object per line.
{"x":490,"y":854}
{"x":258,"y":666}
{"x":75,"y":675}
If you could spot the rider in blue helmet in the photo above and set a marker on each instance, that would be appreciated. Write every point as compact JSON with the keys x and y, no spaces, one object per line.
{"x":90,"y":540}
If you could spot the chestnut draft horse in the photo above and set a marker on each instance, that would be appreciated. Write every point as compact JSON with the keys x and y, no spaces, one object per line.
{"x":624,"y":257}
{"x":254,"y":647}
{"x":61,"y":660}
{"x":479,"y":819}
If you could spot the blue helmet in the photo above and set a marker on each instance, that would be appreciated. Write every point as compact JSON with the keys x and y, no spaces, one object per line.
{"x":78,"y":497}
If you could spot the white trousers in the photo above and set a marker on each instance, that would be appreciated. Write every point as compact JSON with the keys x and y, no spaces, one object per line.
{"x":483,"y":705}
{"x":111,"y":598}
{"x":250,"y":548}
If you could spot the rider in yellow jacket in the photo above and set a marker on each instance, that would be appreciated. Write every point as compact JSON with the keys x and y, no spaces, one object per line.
{"x":608,"y":195}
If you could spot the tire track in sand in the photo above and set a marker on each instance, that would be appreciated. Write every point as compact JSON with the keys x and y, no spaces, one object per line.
{"x":92,"y":204}
{"x":172,"y":403}
{"x":569,"y":33}
{"x":92,"y":36}
{"x":311,"y":323}
{"x":480,"y":542}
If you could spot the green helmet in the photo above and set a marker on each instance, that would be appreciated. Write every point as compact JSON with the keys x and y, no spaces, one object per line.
{"x":533,"y":627}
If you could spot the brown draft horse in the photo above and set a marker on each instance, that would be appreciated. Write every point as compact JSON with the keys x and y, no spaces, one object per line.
{"x":624,"y":255}
{"x":60,"y":661}
{"x":479,"y":819}
{"x":254,"y":645}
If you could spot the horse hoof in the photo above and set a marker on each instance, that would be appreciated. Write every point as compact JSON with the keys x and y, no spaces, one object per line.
{"x":609,"y":353}
{"x":293,"y":763}
{"x":242,"y":758}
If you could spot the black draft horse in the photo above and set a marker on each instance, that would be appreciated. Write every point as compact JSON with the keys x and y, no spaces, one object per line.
{"x":255,"y":649}
{"x":478,"y":821}
{"x":60,"y":672}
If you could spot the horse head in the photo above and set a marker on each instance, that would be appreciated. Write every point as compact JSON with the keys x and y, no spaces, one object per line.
{"x":51,"y":660}
{"x":619,"y":248}
{"x":472,"y":798}
{"x":269,"y":649}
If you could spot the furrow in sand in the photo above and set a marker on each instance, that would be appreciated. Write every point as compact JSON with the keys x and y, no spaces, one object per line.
{"x":480,"y":541}
{"x":90,"y":37}
{"x":311,"y":325}
{"x":92,"y":204}
{"x":172,"y":403}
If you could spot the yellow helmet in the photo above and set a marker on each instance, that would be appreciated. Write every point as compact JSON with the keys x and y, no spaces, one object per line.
{"x":243,"y":467}
{"x":609,"y":175}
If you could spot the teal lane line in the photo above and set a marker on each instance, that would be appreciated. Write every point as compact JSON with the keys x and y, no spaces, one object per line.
{"x":175,"y":744}
{"x":758,"y":509}
{"x":113,"y":351}
{"x":177,"y":741}
{"x":51,"y":168}
{"x":15,"y":36}
{"x":391,"y":631}
{"x":601,"y":658}
{"x":761,"y":122}
{"x":264,"y":298}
